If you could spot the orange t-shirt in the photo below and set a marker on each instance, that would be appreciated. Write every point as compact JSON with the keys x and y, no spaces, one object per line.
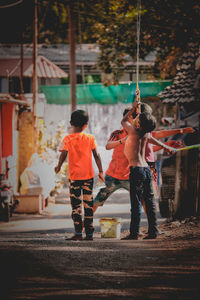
{"x":79,"y":147}
{"x":119,"y":166}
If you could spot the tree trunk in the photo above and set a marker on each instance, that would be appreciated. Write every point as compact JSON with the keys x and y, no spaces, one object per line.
{"x":72,"y":35}
{"x":35,"y":77}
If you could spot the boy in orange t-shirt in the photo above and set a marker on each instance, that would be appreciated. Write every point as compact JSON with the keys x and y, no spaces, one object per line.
{"x":79,"y":147}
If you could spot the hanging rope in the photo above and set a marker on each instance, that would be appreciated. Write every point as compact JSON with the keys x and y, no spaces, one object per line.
{"x":138,"y":43}
{"x":80,"y":43}
{"x":138,"y":110}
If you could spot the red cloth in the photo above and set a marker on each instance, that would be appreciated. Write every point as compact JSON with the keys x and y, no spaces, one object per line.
{"x":0,"y":135}
{"x":149,"y":154}
{"x":7,"y":129}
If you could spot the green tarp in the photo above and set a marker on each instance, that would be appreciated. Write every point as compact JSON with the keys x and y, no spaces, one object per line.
{"x":98,"y":93}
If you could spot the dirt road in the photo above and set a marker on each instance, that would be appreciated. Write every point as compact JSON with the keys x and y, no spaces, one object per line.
{"x":41,"y":264}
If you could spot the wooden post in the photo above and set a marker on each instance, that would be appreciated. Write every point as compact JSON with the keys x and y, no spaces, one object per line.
{"x":35,"y":78}
{"x":177,"y":183}
{"x":21,"y":68}
{"x":72,"y":35}
{"x":177,"y":121}
{"x":178,"y":170}
{"x":197,"y":198}
{"x":165,"y":110}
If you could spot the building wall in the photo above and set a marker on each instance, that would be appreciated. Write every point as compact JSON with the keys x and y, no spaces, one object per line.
{"x":13,"y":86}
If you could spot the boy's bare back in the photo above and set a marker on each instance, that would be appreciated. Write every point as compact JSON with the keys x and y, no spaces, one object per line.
{"x":135,"y":149}
{"x":135,"y":144}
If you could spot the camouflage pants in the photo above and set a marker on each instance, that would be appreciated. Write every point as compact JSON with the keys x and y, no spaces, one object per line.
{"x":81,"y":191}
{"x":111,"y":185}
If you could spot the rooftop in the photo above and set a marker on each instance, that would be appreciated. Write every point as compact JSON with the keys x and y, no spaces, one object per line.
{"x":59,"y":53}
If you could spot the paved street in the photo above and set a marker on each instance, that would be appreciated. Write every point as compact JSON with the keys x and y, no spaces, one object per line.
{"x":38,"y":263}
{"x":57,"y":217}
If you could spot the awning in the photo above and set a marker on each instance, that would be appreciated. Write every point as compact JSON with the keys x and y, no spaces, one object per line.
{"x":98,"y":93}
{"x":45,"y":68}
{"x":7,"y":98}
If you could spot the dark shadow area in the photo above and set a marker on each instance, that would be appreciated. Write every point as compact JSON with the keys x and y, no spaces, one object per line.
{"x":101,"y":270}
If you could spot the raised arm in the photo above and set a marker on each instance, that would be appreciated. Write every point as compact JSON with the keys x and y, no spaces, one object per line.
{"x":97,"y":158}
{"x":171,"y":143}
{"x":113,"y":144}
{"x":164,"y":133}
{"x":167,"y":148}
{"x":126,"y":119}
{"x":62,"y":158}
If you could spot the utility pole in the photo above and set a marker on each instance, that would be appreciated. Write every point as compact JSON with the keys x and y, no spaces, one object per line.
{"x":21,"y":68}
{"x":72,"y":37}
{"x":35,"y":77}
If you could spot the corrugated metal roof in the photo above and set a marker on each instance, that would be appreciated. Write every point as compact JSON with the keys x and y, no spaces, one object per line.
{"x":45,"y":68}
{"x":182,"y":90}
{"x":7,"y":98}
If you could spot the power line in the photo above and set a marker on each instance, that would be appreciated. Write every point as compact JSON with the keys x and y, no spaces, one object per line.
{"x":12,"y":4}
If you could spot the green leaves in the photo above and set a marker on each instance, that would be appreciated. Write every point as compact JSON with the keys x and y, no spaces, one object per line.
{"x":166,"y":25}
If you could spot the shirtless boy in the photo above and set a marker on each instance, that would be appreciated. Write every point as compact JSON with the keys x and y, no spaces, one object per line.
{"x":140,"y":174}
{"x":117,"y":174}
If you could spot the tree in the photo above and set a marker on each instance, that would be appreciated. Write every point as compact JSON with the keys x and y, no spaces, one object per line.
{"x":166,"y":26}
{"x":16,"y":19}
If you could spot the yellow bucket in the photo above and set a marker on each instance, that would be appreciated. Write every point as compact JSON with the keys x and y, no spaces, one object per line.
{"x":110,"y":227}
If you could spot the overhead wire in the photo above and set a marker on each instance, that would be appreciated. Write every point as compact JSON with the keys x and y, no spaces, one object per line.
{"x":138,"y":41}
{"x":11,"y":4}
{"x":18,"y":63}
